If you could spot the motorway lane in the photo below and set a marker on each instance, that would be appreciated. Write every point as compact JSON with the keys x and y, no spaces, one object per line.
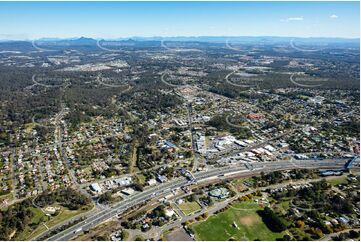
{"x":120,"y":207}
{"x":267,"y":166}
{"x":167,"y":187}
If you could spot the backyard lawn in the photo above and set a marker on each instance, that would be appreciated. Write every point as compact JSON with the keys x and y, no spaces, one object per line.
{"x":189,"y":207}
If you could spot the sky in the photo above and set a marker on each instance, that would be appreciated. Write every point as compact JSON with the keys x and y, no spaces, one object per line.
{"x":34,"y":20}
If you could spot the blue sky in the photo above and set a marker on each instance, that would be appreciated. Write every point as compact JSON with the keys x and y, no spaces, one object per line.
{"x":28,"y":20}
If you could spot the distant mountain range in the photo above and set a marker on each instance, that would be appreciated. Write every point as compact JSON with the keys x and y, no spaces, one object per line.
{"x":151,"y":41}
{"x":246,"y":39}
{"x":86,"y":40}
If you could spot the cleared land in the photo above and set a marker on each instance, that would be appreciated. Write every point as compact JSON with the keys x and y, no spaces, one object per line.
{"x":189,"y":207}
{"x":337,"y":180}
{"x":238,"y":184}
{"x":240,"y":222}
{"x":178,"y":235}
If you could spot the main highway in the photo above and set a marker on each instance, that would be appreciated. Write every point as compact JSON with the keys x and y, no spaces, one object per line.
{"x":165,"y":188}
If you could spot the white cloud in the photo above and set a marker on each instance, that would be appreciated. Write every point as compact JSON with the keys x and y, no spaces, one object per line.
{"x":295,"y":19}
{"x":333,"y":16}
{"x":292,"y":19}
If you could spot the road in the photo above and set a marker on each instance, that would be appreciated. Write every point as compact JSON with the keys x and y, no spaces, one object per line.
{"x":329,"y":237}
{"x":59,"y":143}
{"x":87,"y":184}
{"x":165,"y":188}
{"x":100,"y":80}
{"x":190,"y":126}
{"x":13,"y":173}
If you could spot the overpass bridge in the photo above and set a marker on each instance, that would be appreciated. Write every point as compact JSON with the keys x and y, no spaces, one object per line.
{"x":345,"y":168}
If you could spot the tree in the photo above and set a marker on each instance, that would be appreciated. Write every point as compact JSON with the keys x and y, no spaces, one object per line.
{"x":105,"y":197}
{"x":300,"y":224}
{"x":286,"y":237}
{"x":138,"y":187}
{"x":192,"y":198}
{"x":272,"y":220}
{"x":354,"y":234}
{"x":316,"y":232}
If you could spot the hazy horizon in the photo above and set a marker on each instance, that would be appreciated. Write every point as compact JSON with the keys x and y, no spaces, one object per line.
{"x":44,"y":38}
{"x":110,"y":20}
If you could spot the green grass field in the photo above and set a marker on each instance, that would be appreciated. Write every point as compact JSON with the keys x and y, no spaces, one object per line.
{"x":36,"y":220}
{"x":40,"y":219}
{"x":337,"y":180}
{"x":282,"y":205}
{"x":38,"y":215}
{"x":189,"y":207}
{"x":244,"y":215}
